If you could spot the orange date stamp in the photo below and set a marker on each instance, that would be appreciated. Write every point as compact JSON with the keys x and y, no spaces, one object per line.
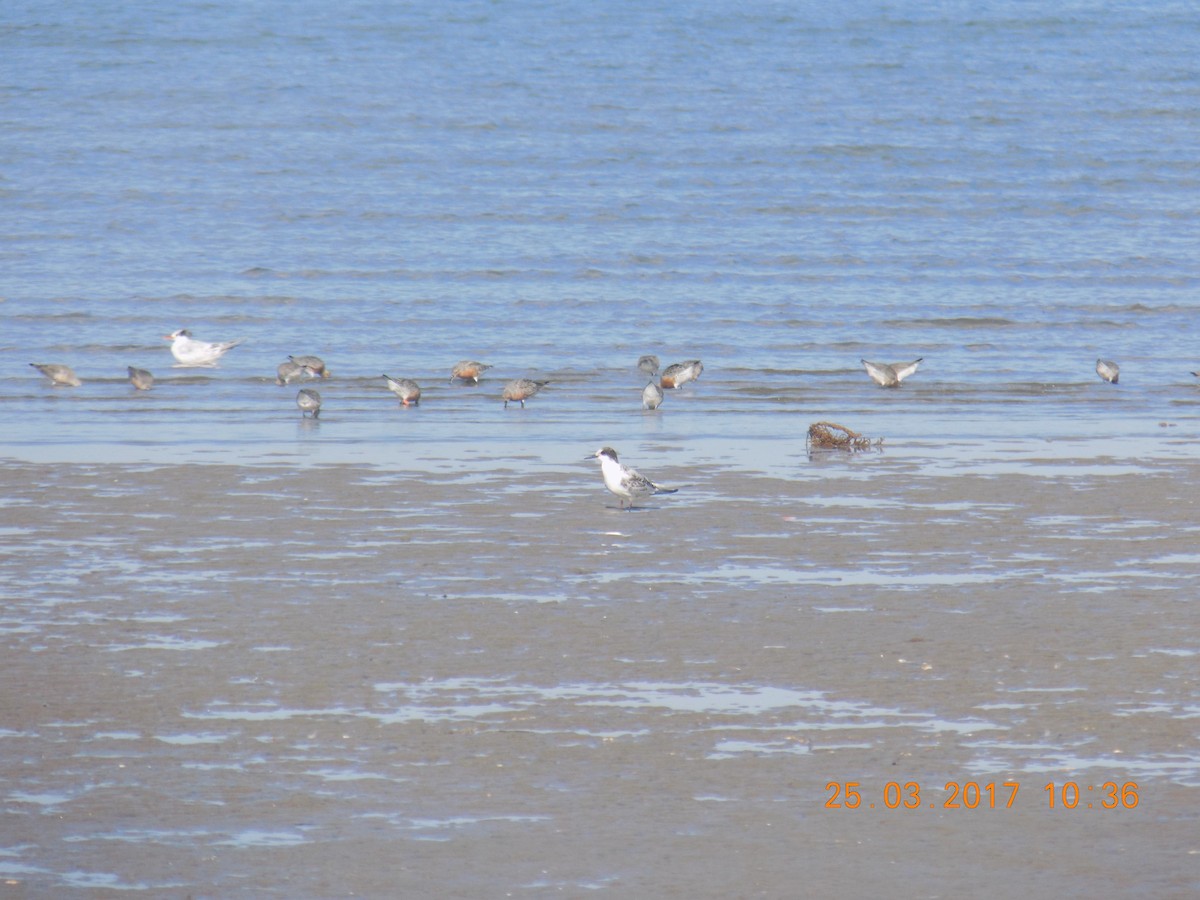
{"x":980,"y":795}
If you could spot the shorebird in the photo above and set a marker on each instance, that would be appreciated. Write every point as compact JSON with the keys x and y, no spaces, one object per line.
{"x":140,"y":379}
{"x":314,"y":364}
{"x":649,"y":365}
{"x":677,"y":375}
{"x":652,"y":396}
{"x":309,"y":401}
{"x":628,"y":484}
{"x":521,"y":389}
{"x":1108,"y":370}
{"x":468,"y":370}
{"x":190,"y":352}
{"x":289,"y":371}
{"x":886,"y":375}
{"x":58,"y":374}
{"x":407,"y":390}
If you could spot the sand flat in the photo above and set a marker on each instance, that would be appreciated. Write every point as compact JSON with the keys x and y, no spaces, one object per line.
{"x":336,"y":680}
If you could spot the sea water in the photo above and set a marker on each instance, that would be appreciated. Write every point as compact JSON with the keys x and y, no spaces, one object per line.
{"x":1005,"y":190}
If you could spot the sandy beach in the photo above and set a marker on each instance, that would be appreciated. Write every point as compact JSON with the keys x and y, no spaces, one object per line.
{"x":344,"y":681}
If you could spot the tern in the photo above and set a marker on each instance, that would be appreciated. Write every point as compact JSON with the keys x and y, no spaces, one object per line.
{"x":628,"y":484}
{"x":190,"y":352}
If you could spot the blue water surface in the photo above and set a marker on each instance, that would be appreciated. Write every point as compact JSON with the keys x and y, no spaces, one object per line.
{"x":1006,"y":190}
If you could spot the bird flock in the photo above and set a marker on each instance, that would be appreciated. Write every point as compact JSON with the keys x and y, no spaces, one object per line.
{"x":626,"y":483}
{"x":190,"y":352}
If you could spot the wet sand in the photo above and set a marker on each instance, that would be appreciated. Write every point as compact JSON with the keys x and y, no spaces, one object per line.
{"x":344,"y":681}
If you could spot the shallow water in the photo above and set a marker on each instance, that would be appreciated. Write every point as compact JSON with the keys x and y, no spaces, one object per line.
{"x":418,"y":651}
{"x":777,"y":192}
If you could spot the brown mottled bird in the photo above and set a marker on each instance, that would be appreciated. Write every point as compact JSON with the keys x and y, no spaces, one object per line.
{"x":677,"y":375}
{"x":521,"y":389}
{"x":405,"y":389}
{"x":309,"y":401}
{"x":313,"y":363}
{"x":468,"y":370}
{"x":289,"y":371}
{"x":648,"y":364}
{"x":58,"y":374}
{"x":140,"y":379}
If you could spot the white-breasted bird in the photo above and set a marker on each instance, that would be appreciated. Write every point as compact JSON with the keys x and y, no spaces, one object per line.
{"x":627,"y":483}
{"x":652,"y":396}
{"x":190,"y":352}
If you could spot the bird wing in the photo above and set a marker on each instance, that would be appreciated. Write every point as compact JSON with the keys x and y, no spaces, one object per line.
{"x":903,"y":370}
{"x":880,"y":373}
{"x":638,"y":483}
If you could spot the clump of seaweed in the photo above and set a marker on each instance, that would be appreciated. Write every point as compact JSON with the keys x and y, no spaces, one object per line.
{"x":831,"y":436}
